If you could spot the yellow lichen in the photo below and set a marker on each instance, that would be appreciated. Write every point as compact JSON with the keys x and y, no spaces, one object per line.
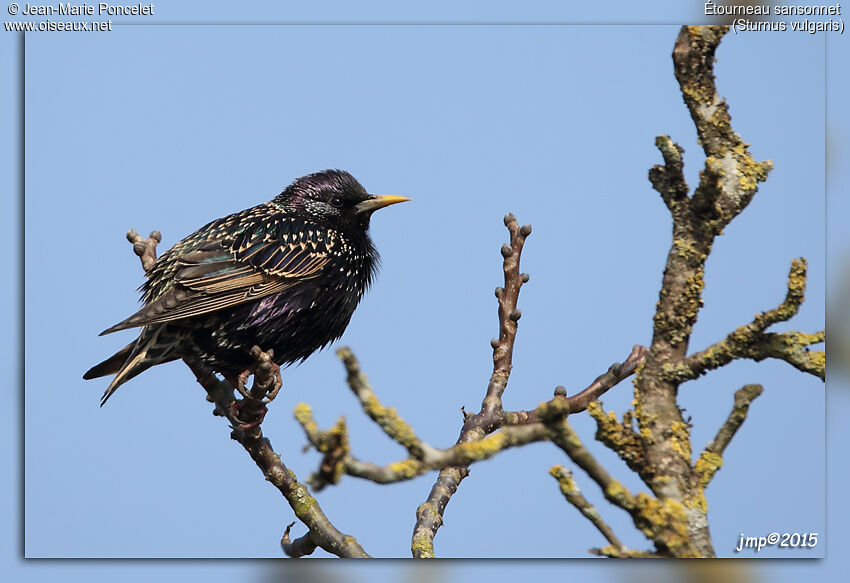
{"x":617,"y":493}
{"x":686,"y":250}
{"x":698,"y":501}
{"x":664,"y":522}
{"x":422,"y":545}
{"x":706,"y":466}
{"x":303,"y":411}
{"x":372,"y":405}
{"x":389,"y":420}
{"x":304,"y":416}
{"x":565,"y":480}
{"x":301,"y":501}
{"x":817,"y":358}
{"x":680,"y":439}
{"x":484,"y":448}
{"x":750,"y":172}
{"x":406,"y":468}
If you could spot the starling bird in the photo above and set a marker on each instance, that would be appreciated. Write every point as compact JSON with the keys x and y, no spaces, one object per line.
{"x":285,"y":275}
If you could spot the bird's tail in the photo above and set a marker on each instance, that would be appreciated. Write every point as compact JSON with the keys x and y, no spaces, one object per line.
{"x":111,"y":365}
{"x":134,"y":359}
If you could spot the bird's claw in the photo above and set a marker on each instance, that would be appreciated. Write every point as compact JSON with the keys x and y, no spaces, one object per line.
{"x":242,"y":380}
{"x":249,"y":409}
{"x":278,"y":384}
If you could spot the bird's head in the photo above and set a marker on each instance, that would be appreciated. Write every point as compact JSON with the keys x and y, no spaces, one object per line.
{"x":335,"y":196}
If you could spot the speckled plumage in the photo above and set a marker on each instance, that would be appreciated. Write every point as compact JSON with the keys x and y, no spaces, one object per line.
{"x":284,"y":275}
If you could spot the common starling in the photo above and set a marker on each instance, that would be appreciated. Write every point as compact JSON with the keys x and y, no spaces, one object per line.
{"x":285,"y":275}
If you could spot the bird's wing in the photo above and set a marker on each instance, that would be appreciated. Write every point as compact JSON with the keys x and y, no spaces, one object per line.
{"x":260,"y":260}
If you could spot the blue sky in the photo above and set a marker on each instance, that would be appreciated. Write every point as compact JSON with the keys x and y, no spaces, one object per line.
{"x":168,"y":127}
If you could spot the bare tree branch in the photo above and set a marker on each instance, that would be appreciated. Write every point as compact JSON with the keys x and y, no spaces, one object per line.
{"x":792,"y":347}
{"x":568,"y":440}
{"x":461,"y":454}
{"x":712,"y":456}
{"x":145,"y":249}
{"x":386,"y":417}
{"x":250,"y":436}
{"x":571,"y":492}
{"x":620,"y":437}
{"x":613,"y":552}
{"x":517,"y":428}
{"x":333,"y":443}
{"x":509,"y":315}
{"x":727,"y":185}
{"x":669,"y":179}
{"x":563,"y":405}
{"x":751,"y":341}
{"x":429,"y":514}
{"x":658,"y":519}
{"x":300,"y":547}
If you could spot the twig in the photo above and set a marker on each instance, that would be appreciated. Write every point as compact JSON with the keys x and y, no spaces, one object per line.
{"x":338,"y":458}
{"x":568,"y":440}
{"x":509,"y":315}
{"x":562,"y":405}
{"x":145,"y":249}
{"x":712,"y":456}
{"x":386,"y":417}
{"x":300,"y":547}
{"x":655,"y":517}
{"x":792,"y":347}
{"x":430,"y":513}
{"x":613,"y":552}
{"x":322,"y":532}
{"x":751,"y":340}
{"x":620,"y":437}
{"x":669,"y":179}
{"x":477,"y":440}
{"x":570,"y":490}
{"x":333,"y":443}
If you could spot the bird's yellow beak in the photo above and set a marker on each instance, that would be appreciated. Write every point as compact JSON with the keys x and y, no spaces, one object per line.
{"x":377,"y":201}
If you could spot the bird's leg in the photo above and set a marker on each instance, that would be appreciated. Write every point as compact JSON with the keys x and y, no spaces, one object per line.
{"x":241,"y":380}
{"x":278,"y":383}
{"x":267,"y":384}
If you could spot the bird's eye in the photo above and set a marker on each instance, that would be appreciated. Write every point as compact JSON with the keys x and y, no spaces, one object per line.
{"x":336,"y":201}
